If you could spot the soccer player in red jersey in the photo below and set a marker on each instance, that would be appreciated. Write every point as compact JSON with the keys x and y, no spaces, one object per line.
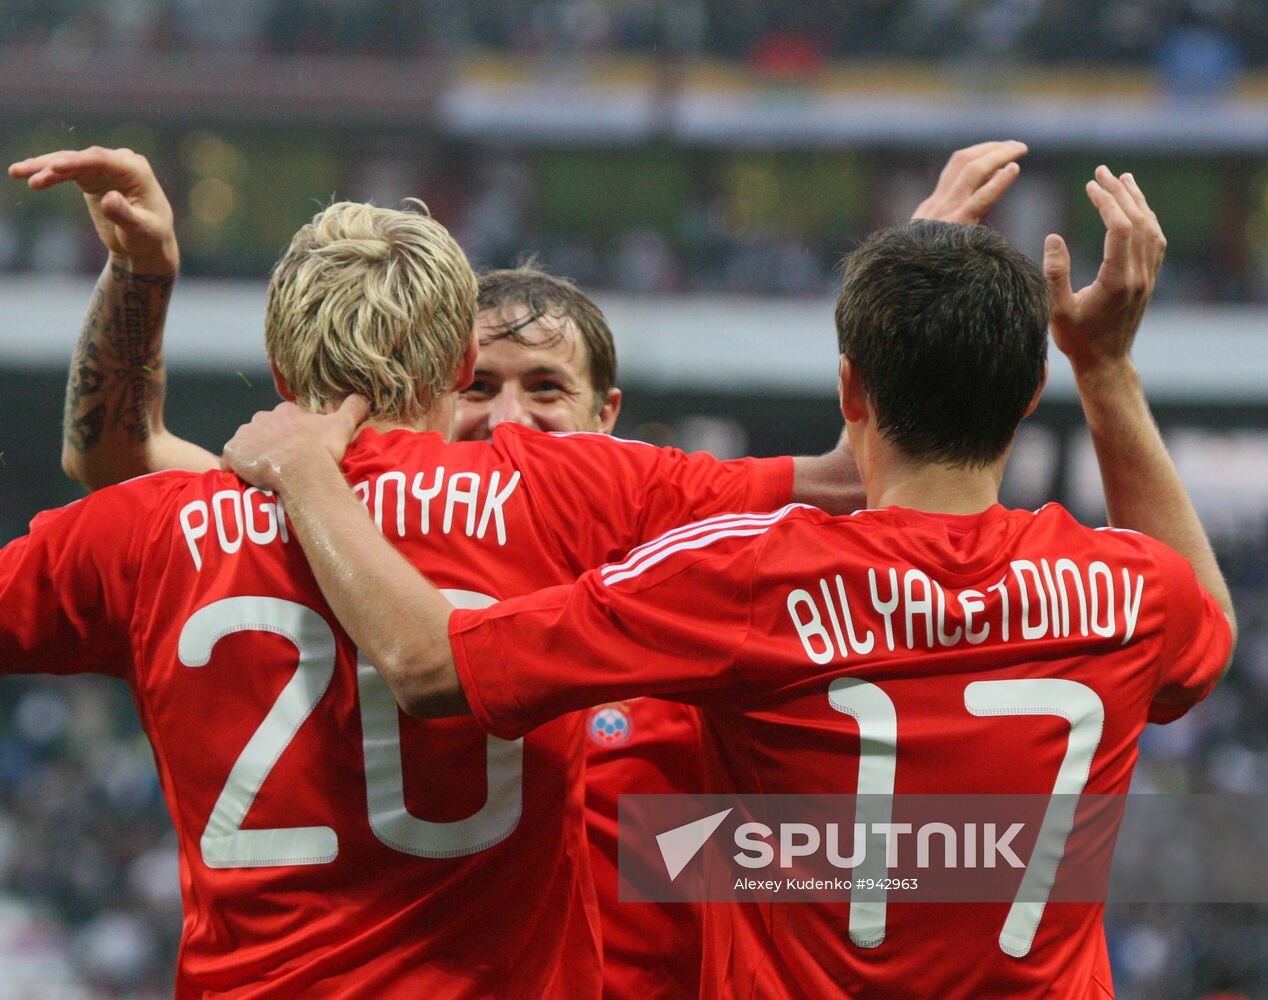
{"x":329,"y":847}
{"x":546,"y":360}
{"x":934,"y":642}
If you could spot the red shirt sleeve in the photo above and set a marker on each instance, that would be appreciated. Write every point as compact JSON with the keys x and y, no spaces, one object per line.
{"x":67,"y":587}
{"x":685,"y":488}
{"x":669,"y":621}
{"x":627,"y":492}
{"x":1199,"y":640}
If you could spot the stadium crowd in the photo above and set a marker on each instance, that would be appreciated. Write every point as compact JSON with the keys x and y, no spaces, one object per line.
{"x":688,"y":221}
{"x":787,"y":38}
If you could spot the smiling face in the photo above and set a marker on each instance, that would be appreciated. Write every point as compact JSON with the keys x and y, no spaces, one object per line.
{"x":537,"y":374}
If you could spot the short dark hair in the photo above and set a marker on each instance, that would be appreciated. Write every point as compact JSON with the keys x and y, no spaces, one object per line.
{"x":545,"y":295}
{"x":948,"y":326}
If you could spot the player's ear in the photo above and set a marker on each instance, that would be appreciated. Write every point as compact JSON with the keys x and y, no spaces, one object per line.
{"x":467,"y":367}
{"x":279,"y":381}
{"x":1034,"y":400}
{"x":610,"y":410}
{"x":853,"y":395}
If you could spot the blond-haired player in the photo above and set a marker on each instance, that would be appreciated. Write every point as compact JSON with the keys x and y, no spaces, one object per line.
{"x":933,"y":643}
{"x":340,"y":305}
{"x":328,"y":847}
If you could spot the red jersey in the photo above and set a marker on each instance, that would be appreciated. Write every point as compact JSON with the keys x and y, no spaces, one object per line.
{"x":651,"y":951}
{"x":1005,"y":652}
{"x":329,"y":846}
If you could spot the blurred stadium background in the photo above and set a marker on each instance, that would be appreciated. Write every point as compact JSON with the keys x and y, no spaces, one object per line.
{"x":700,"y":165}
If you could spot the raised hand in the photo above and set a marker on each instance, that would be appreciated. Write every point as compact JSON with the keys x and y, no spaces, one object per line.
{"x":973,"y":180}
{"x":1095,"y":327}
{"x":128,"y":207}
{"x":113,"y":427}
{"x":1097,"y":324}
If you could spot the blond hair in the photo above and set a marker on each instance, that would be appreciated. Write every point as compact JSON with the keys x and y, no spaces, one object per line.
{"x":373,"y":301}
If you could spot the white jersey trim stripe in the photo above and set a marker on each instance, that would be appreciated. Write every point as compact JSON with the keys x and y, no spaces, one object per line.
{"x":695,"y":543}
{"x":696,"y":528}
{"x":736,"y":528}
{"x":674,"y":534}
{"x":601,"y":434}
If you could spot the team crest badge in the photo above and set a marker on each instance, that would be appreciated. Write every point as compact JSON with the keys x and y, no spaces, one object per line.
{"x":610,"y":725}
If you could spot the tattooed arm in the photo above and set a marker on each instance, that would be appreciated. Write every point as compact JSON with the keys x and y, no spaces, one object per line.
{"x":112,"y":428}
{"x":113,"y":425}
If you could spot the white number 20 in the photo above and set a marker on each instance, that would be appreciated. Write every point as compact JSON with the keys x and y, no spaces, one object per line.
{"x":226,"y":845}
{"x":873,"y":710}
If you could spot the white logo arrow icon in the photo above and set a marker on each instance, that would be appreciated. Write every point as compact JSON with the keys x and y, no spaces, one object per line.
{"x":679,"y":845}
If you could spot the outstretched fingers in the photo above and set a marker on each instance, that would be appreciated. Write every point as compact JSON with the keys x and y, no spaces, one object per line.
{"x":1154,"y":242}
{"x":1117,"y":266}
{"x":985,"y":197}
{"x":987,"y":163}
{"x":95,"y":169}
{"x":969,"y":167}
{"x":973,"y":180}
{"x":43,"y":171}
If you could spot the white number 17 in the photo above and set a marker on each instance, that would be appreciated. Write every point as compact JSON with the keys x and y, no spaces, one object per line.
{"x":873,"y":710}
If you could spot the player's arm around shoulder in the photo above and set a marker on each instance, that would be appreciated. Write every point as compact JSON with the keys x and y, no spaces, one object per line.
{"x":395,"y":616}
{"x":629,"y":492}
{"x":113,"y":425}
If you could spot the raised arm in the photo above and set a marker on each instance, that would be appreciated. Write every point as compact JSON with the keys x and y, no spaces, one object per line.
{"x":1095,"y":328}
{"x":113,"y":425}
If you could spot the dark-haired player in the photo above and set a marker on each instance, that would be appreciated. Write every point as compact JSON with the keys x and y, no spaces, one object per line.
{"x":546,"y":360}
{"x":934,"y":642}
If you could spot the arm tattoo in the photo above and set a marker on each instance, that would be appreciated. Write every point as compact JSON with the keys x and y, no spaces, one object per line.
{"x":116,"y":375}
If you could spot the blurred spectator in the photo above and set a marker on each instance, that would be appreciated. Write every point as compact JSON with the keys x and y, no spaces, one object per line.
{"x":56,"y":246}
{"x":492,"y":230}
{"x":644,"y":263}
{"x":494,"y":199}
{"x":718,"y":223}
{"x":1198,"y":58}
{"x":788,"y":40}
